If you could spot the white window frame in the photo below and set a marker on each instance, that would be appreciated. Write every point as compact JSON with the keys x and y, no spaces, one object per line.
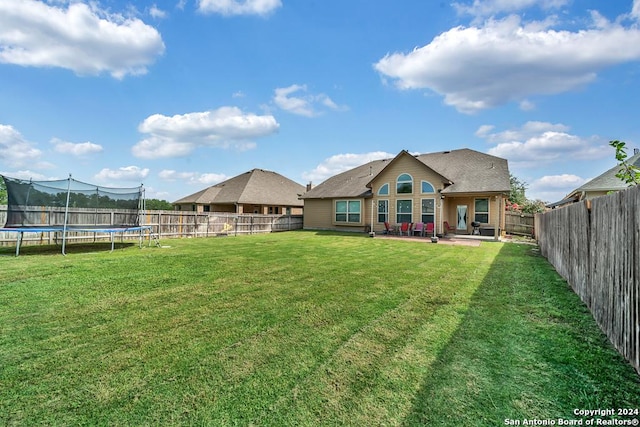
{"x":476,"y":212}
{"x":380,"y":193}
{"x":422,"y":214}
{"x":404,"y":182}
{"x":398,"y":213}
{"x":348,"y":213}
{"x":427,"y":192}
{"x":385,"y":213}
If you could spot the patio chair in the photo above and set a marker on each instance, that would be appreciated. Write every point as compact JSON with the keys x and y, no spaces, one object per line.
{"x":418,"y":228}
{"x":389,"y":229}
{"x":404,"y":228}
{"x":448,"y":228}
{"x":429,"y":229}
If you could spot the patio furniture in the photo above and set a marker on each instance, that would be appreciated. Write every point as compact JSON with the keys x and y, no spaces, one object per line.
{"x":389,"y":229}
{"x":404,"y":228}
{"x":428,"y":231}
{"x":448,"y":228}
{"x":418,"y":228}
{"x":476,"y":228}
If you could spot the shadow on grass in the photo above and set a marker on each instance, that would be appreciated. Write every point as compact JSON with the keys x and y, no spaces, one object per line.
{"x":70,"y":248}
{"x":527,"y":348}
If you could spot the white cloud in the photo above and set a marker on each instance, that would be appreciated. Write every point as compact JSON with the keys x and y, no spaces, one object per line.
{"x":157,"y":13}
{"x":342,"y":162}
{"x":76,"y":149}
{"x":239,"y":7}
{"x":179,"y":135}
{"x":303,"y":104}
{"x":17,"y":152}
{"x":537,"y":143}
{"x":635,"y":11}
{"x":552,"y":188}
{"x":81,"y":38}
{"x":27,"y":175}
{"x":192,"y":177}
{"x":127,"y":173}
{"x":506,"y":60}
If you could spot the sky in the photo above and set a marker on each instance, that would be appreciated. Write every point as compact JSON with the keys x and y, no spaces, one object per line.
{"x":179,"y":95}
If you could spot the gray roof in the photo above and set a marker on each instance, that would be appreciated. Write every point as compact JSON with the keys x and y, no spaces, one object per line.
{"x":608,"y":181}
{"x":260,"y":187}
{"x":469,"y":171}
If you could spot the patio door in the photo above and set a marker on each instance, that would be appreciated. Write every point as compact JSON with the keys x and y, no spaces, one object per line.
{"x":461,"y":224}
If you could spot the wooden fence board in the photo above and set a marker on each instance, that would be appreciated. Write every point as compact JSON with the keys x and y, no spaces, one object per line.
{"x":597,"y":251}
{"x":165,"y":224}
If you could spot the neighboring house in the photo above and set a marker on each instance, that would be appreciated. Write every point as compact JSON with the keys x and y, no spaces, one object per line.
{"x":598,"y":186}
{"x":257,"y":191}
{"x":459,"y":187}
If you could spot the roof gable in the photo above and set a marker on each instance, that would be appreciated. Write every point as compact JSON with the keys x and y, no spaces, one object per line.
{"x":405,"y":154}
{"x":256,"y":186}
{"x":608,"y":181}
{"x":468,"y":171}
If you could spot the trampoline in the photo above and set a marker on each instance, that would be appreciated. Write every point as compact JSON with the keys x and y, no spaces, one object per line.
{"x":67,"y":206}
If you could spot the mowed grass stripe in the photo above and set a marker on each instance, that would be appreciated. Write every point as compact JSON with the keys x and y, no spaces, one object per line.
{"x":296,"y":328}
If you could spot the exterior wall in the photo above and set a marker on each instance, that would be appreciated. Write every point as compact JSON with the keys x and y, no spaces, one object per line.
{"x":496,"y":211}
{"x":318,"y":213}
{"x":419,"y":172}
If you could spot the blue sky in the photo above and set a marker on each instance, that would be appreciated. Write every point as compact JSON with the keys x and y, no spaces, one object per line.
{"x":182,"y":94}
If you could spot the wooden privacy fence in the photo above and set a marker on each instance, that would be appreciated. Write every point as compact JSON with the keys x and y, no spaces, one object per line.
{"x":596,"y":247}
{"x":165,"y":224}
{"x":519,"y":223}
{"x":208,"y":224}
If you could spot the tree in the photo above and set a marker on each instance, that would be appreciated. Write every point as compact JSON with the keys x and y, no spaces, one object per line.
{"x":518,"y":200}
{"x":158,"y":205}
{"x":628,"y":172}
{"x":517,"y":194}
{"x":3,"y":193}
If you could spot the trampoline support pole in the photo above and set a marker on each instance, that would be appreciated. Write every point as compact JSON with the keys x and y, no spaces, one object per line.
{"x":66,"y":216}
{"x":18,"y":242}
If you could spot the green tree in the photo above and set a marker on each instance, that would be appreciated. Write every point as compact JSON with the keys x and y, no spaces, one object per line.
{"x":3,"y":192}
{"x":517,"y":193}
{"x":158,"y":205}
{"x":628,"y":172}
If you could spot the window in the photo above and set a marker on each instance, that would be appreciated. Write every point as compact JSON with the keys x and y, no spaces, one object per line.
{"x":429,"y":210}
{"x":404,"y":184}
{"x":482,"y":211}
{"x":348,"y":211}
{"x":403,"y":210}
{"x":427,"y":188}
{"x":384,"y":190}
{"x":207,"y":208}
{"x":383,"y":210}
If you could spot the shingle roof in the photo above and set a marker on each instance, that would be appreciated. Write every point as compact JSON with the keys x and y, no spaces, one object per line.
{"x":470,"y":172}
{"x":608,"y":180}
{"x":257,"y":186}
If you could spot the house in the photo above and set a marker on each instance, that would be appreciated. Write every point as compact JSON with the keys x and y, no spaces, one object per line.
{"x":257,"y":191}
{"x":599,"y":186}
{"x":460,"y":187}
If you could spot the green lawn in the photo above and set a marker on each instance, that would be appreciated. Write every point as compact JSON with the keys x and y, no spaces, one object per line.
{"x":298,"y":328}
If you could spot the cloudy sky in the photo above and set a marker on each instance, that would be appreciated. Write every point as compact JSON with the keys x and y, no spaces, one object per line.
{"x":182,"y":94}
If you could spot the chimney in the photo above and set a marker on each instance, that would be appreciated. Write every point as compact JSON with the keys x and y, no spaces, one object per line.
{"x":309,"y":186}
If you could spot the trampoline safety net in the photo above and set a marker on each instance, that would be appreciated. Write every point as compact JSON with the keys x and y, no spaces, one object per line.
{"x":65,"y":195}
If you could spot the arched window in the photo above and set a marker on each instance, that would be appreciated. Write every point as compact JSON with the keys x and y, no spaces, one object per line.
{"x":404,"y":185}
{"x":427,"y":188}
{"x":384,"y":190}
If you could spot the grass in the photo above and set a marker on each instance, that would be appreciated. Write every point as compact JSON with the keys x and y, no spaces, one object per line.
{"x":298,"y":328}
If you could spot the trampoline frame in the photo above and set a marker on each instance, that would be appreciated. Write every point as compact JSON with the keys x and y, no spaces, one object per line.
{"x":64,"y":230}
